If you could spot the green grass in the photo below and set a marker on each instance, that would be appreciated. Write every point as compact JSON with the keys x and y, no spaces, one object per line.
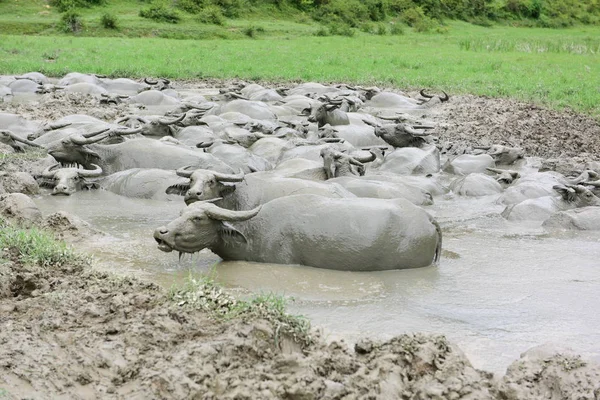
{"x":558,"y":68}
{"x":204,"y":293}
{"x":34,"y":17}
{"x":35,"y":246}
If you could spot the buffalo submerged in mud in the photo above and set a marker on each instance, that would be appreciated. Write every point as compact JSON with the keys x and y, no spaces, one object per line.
{"x":337,"y":177}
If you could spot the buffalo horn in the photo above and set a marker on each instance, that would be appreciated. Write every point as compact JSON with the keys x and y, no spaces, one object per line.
{"x":22,"y":140}
{"x":150,"y":82}
{"x":91,"y":173}
{"x":92,"y":134}
{"x":365,"y":159}
{"x":427,"y":96}
{"x":49,"y":172}
{"x":185,"y":172}
{"x":205,"y":145}
{"x":445,"y":98}
{"x":221,"y":214}
{"x":164,"y":121}
{"x":229,"y":177}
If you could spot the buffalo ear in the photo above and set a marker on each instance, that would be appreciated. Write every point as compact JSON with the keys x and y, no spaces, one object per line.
{"x":567,"y":193}
{"x":226,"y":190}
{"x":91,"y":185}
{"x":179,"y":189}
{"x":229,"y":233}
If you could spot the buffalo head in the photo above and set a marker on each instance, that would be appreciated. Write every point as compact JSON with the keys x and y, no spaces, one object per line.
{"x":577,"y":195}
{"x":66,"y":181}
{"x":338,"y":164}
{"x":203,"y":184}
{"x":201,"y":225}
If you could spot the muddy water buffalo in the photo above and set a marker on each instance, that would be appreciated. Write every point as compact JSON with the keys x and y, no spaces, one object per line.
{"x":134,"y":153}
{"x":239,"y":192}
{"x":66,"y":181}
{"x":341,"y":234}
{"x":586,"y":218}
{"x":571,"y":196}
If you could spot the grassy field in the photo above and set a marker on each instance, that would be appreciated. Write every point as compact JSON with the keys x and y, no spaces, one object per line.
{"x":559,"y":68}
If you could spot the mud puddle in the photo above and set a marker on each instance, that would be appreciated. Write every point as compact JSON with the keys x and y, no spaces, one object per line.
{"x":500,"y":289}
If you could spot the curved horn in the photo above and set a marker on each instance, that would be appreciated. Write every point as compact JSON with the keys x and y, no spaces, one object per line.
{"x":205,"y":145}
{"x":164,"y":121}
{"x":414,"y":132}
{"x":427,"y":96}
{"x":90,"y":173}
{"x":22,"y":140}
{"x":594,"y":183}
{"x":92,"y":134}
{"x":229,"y":177}
{"x":165,"y":81}
{"x":49,"y":172}
{"x":185,"y":172}
{"x":371,"y":157}
{"x":124,"y":132}
{"x":445,"y":98}
{"x":496,"y":170}
{"x":150,"y":82}
{"x":82,"y":140}
{"x":222,"y":214}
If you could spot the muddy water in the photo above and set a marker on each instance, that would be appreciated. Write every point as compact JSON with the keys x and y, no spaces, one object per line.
{"x":501,"y":288}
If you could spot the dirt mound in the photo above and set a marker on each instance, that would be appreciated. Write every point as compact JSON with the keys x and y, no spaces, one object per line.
{"x":68,"y":227}
{"x":53,"y":106}
{"x":19,"y":209}
{"x":550,"y":372}
{"x":18,"y":182}
{"x":539,"y":131}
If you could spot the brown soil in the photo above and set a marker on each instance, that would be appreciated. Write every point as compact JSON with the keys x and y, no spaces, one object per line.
{"x":540,"y":132}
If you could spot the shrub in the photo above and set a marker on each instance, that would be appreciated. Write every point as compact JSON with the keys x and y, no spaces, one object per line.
{"x":397,"y":29}
{"x":413,"y":15}
{"x":323,"y":31}
{"x":341,"y":29}
{"x":109,"y":21}
{"x":65,"y":5}
{"x":253,"y":31}
{"x":70,"y":22}
{"x":161,"y":13}
{"x":211,"y":15}
{"x":381,"y":30}
{"x":231,"y":8}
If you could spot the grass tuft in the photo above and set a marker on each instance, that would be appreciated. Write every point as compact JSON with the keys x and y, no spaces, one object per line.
{"x":35,"y":246}
{"x":205,"y":294}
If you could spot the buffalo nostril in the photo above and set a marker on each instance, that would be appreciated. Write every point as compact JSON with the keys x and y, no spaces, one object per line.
{"x":163,"y":231}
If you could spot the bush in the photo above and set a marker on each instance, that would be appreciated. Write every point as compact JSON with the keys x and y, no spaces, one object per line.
{"x":109,"y":21}
{"x":341,"y":29}
{"x":66,"y":5}
{"x":397,"y":29}
{"x":70,"y":22}
{"x":322,"y":32}
{"x":231,"y":8}
{"x":381,"y":30}
{"x":211,"y":15}
{"x":253,"y":31}
{"x":161,"y":13}
{"x":413,"y":15}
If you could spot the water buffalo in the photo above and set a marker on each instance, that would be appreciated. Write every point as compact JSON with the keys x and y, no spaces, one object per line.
{"x":475,"y":184}
{"x":541,"y":208}
{"x":328,"y":114}
{"x":585,"y":218}
{"x":239,"y":192}
{"x":134,"y":153}
{"x":342,"y":234}
{"x":66,"y":181}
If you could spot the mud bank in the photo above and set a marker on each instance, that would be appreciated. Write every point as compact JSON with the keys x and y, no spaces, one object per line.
{"x":69,"y":331}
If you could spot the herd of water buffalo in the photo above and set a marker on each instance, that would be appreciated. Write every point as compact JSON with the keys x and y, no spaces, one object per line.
{"x":327,"y":176}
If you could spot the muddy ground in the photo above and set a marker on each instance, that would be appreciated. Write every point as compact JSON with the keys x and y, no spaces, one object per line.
{"x":69,"y":331}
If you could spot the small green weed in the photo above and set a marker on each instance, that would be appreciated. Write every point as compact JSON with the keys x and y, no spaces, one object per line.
{"x":253,"y":31}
